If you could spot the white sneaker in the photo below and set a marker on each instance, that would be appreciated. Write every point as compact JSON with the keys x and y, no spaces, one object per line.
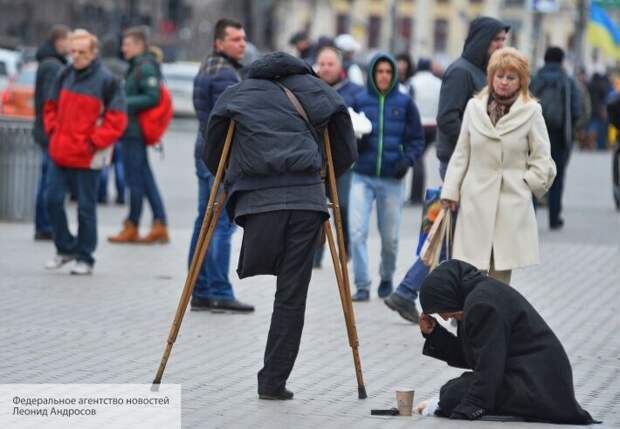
{"x":81,"y":268}
{"x":58,"y":261}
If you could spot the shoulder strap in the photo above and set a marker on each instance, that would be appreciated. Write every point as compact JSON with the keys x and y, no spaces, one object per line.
{"x":568,"y":116}
{"x":299,"y":108}
{"x":302,"y":112}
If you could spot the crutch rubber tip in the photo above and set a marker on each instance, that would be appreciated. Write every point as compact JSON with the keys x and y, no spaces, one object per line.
{"x":361,"y":392}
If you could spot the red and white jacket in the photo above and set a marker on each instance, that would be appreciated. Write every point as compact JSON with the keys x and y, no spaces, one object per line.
{"x":84,"y":116}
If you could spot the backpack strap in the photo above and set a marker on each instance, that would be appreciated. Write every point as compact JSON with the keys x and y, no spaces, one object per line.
{"x":299,"y":108}
{"x":568,"y":116}
{"x":302,"y":112}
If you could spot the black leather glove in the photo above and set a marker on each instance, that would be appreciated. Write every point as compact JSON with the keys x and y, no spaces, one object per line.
{"x":363,"y":145}
{"x":467,"y":412}
{"x":401,"y":167}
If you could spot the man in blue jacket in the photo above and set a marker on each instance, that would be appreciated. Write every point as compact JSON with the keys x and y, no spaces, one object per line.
{"x":219,"y":70}
{"x":385,"y":155}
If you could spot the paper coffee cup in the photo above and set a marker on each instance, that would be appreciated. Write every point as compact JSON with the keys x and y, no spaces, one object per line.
{"x":404,"y":401}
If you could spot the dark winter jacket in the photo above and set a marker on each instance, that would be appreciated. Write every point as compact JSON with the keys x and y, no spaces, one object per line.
{"x":141,"y":89}
{"x":50,"y":65}
{"x":273,"y":146}
{"x":463,"y":78}
{"x":217,"y":73}
{"x":519,"y":366}
{"x":397,"y":138}
{"x":84,"y":116}
{"x":348,"y":91}
{"x":549,"y":74}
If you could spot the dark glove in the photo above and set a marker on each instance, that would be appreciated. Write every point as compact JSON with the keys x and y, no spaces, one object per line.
{"x":401,"y":167}
{"x":363,"y":145}
{"x":466,"y":412}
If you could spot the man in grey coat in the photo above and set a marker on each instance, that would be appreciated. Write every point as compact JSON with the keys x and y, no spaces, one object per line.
{"x":464,"y":77}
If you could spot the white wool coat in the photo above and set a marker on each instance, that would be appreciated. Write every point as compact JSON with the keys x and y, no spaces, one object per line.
{"x":492,"y":174}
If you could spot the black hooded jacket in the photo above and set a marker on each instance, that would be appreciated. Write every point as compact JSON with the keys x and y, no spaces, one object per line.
{"x":463,"y":78}
{"x":519,"y":366}
{"x":273,"y":146}
{"x":50,"y":64}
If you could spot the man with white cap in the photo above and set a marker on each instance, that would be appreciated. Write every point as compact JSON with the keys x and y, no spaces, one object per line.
{"x":349,"y":46}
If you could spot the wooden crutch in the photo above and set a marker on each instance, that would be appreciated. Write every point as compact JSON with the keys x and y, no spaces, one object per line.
{"x":209,"y":221}
{"x":339,"y":259}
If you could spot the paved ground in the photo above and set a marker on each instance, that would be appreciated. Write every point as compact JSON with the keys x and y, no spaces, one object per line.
{"x":111,"y":328}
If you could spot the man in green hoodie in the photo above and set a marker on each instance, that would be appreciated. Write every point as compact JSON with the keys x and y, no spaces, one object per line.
{"x":142,"y":92}
{"x":395,"y":144}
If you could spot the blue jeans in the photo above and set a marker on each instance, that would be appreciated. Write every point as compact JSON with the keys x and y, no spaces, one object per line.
{"x":212,"y":282}
{"x":410,"y":285}
{"x":388,"y":193}
{"x":41,"y":219}
{"x":140,"y":181}
{"x":84,"y":181}
{"x":119,"y":176}
{"x":599,"y":127}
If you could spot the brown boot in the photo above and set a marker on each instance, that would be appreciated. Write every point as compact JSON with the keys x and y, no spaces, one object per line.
{"x":158,"y":234}
{"x":128,"y":234}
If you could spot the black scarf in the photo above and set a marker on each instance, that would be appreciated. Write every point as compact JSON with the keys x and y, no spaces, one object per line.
{"x":447,"y":286}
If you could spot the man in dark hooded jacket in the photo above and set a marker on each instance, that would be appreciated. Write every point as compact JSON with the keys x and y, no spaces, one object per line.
{"x":558,"y":95}
{"x":519,"y":366}
{"x":51,"y":58}
{"x":276,"y":190}
{"x":463,"y":78}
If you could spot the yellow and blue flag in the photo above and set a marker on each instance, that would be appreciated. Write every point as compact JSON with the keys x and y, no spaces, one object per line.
{"x":603,"y":32}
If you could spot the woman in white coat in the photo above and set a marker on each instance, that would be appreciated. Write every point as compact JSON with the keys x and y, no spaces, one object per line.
{"x":502,"y":156}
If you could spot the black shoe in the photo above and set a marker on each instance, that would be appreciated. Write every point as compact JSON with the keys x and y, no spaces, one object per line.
{"x":557,"y":224}
{"x":406,"y":309}
{"x":43,"y":235}
{"x":200,"y":304}
{"x":282,"y":395}
{"x":234,"y":305}
{"x":385,"y":288}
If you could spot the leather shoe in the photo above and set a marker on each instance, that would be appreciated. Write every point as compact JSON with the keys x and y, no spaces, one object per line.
{"x":406,"y":309}
{"x":200,"y":304}
{"x":282,"y":395}
{"x":233,"y":305}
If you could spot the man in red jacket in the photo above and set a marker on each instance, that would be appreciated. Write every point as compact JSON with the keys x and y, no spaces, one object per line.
{"x":84,"y":115}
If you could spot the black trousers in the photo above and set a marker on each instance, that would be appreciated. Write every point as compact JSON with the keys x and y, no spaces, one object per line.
{"x":560,"y":154}
{"x":281,"y":243}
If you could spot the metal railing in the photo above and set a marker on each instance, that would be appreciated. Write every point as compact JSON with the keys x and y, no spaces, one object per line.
{"x":20,"y":169}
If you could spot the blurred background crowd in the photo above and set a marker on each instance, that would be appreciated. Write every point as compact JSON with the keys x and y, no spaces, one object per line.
{"x":429,"y":29}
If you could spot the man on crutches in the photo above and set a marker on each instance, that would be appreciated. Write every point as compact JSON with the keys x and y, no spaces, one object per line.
{"x":275,"y":183}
